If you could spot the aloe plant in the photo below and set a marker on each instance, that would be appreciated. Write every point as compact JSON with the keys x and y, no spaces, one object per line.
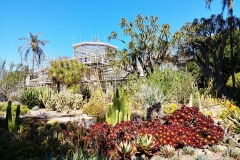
{"x":126,"y":149}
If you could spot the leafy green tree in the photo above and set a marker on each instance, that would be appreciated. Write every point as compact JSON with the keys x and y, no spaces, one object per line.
{"x":204,"y":42}
{"x":33,"y":44}
{"x":68,"y":72}
{"x":227,"y":67}
{"x":13,"y":79}
{"x":149,"y":45}
{"x":229,"y":5}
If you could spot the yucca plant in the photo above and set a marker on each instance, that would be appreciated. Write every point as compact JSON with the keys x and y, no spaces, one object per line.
{"x":126,"y":150}
{"x":167,"y":151}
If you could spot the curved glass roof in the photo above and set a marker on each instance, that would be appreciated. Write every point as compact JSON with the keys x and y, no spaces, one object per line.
{"x":89,"y":48}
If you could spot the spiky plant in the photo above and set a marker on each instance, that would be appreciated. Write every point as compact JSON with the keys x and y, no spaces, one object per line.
{"x":202,"y":157}
{"x":145,"y":143}
{"x":214,"y":148}
{"x":232,"y":152}
{"x":126,"y":149}
{"x":167,"y":151}
{"x":188,"y":150}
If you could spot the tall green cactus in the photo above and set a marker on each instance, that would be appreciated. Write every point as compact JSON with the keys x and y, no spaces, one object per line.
{"x":12,"y":122}
{"x":120,"y":110}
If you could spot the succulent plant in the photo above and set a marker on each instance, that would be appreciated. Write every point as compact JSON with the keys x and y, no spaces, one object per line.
{"x":202,"y":157}
{"x":214,"y":148}
{"x":232,"y":152}
{"x":126,"y":149}
{"x":167,"y":151}
{"x":120,"y":110}
{"x":145,"y":143}
{"x":188,"y":150}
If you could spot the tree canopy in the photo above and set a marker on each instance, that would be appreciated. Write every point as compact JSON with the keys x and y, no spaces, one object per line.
{"x":204,"y":42}
{"x":13,"y":79}
{"x":67,"y":72}
{"x":33,"y":44}
{"x":149,"y":45}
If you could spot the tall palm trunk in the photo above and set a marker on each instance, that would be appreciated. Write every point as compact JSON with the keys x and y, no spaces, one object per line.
{"x":33,"y":55}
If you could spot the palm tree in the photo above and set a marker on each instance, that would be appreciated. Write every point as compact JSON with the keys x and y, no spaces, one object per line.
{"x":229,"y":4}
{"x":225,"y":3}
{"x":33,"y":45}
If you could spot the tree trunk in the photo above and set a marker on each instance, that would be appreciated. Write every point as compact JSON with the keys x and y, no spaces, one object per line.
{"x":232,"y":58}
{"x":33,"y":55}
{"x":58,"y":87}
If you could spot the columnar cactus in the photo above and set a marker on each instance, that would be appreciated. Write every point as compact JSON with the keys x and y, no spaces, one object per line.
{"x":12,"y":123}
{"x":120,"y":110}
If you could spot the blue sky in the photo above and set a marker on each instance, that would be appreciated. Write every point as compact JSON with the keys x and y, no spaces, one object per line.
{"x":61,"y":20}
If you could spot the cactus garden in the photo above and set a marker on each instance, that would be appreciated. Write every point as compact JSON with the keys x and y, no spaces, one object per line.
{"x":162,"y":96}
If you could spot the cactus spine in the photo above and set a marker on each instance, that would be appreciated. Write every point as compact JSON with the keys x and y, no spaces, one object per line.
{"x":12,"y":122}
{"x":120,"y":110}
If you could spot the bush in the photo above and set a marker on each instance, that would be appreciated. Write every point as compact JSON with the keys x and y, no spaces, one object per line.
{"x":64,"y":101}
{"x":175,"y":85}
{"x":23,"y":108}
{"x":30,"y":97}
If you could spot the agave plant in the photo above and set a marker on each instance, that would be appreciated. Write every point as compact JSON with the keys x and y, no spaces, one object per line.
{"x":167,"y":151}
{"x":188,"y":150}
{"x":145,"y":144}
{"x":126,"y":149}
{"x":232,"y":152}
{"x":202,"y":157}
{"x":214,"y":148}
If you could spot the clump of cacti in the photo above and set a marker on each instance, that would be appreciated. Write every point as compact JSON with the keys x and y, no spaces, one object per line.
{"x":12,"y":122}
{"x":120,"y":110}
{"x":188,"y":150}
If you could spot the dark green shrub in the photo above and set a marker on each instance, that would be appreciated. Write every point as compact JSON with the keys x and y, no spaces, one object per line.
{"x":30,"y":97}
{"x":85,"y":91}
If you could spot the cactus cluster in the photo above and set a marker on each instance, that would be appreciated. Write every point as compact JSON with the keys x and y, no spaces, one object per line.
{"x":120,"y":110}
{"x":11,"y":121}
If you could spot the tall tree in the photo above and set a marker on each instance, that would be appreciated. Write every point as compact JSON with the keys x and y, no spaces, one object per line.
{"x":33,"y":44}
{"x":149,"y":45}
{"x":204,"y":42}
{"x":67,"y":72}
{"x":229,"y":5}
{"x":13,"y":79}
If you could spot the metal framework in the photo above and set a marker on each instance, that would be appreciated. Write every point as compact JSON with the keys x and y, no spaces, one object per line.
{"x":93,"y":55}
